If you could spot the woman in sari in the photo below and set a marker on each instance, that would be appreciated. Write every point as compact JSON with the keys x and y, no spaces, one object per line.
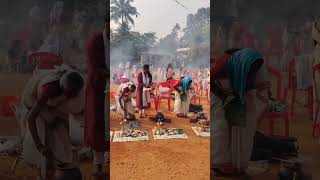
{"x":124,"y":99}
{"x":184,"y":91}
{"x":239,"y":75}
{"x":47,"y":100}
{"x":144,"y":81}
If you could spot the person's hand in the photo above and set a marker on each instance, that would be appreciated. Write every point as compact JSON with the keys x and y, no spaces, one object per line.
{"x":45,"y":151}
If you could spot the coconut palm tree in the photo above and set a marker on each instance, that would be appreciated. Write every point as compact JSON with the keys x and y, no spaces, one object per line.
{"x":122,"y":10}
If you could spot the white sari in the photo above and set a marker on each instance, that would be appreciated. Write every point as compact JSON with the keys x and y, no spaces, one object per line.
{"x":146,"y":93}
{"x":182,"y":107}
{"x":56,"y":138}
{"x":126,"y":101}
{"x":233,"y":144}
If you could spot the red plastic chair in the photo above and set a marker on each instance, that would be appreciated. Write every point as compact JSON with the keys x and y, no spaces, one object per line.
{"x":292,"y":86}
{"x":316,"y":125}
{"x":165,"y":95}
{"x":112,"y":95}
{"x":171,"y":83}
{"x":44,"y":60}
{"x":272,"y":116}
{"x":197,"y":90}
{"x":124,"y":80}
{"x":7,"y":104}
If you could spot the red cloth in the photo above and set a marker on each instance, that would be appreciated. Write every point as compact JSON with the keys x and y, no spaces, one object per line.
{"x":218,"y":67}
{"x":47,"y":91}
{"x":94,"y":130}
{"x":140,"y":90}
{"x":178,"y":83}
{"x":51,"y":89}
{"x":125,"y":91}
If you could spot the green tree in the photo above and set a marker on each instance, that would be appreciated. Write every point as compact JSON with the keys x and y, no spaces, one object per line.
{"x":122,"y":10}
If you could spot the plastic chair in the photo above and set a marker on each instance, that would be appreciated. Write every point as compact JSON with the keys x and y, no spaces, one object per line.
{"x":112,"y":95}
{"x":316,"y":125}
{"x":271,"y":116}
{"x":197,"y":90}
{"x":292,"y":86}
{"x":171,"y":83}
{"x":7,"y":104}
{"x":44,"y":60}
{"x":163,"y":95}
{"x":124,"y":80}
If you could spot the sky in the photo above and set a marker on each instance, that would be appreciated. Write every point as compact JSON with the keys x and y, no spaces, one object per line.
{"x":160,"y":16}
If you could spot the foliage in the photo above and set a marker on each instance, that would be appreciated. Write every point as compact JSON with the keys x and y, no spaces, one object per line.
{"x":123,"y":10}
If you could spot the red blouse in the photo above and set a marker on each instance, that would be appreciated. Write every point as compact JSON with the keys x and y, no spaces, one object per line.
{"x":218,"y":67}
{"x":49,"y":90}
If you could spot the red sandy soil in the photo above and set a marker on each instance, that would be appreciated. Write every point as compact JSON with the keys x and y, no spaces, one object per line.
{"x":13,"y":84}
{"x":185,"y":159}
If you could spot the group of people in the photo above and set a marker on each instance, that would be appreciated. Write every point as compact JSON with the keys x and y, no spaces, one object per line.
{"x":60,"y":33}
{"x":242,"y":86}
{"x":52,"y":96}
{"x":136,"y":92}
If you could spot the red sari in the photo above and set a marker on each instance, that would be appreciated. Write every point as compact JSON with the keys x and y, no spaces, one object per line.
{"x":139,"y":100}
{"x":218,"y":67}
{"x":94,"y":130}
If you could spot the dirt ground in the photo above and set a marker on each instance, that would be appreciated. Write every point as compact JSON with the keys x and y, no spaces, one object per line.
{"x":14,"y":84}
{"x":185,"y":159}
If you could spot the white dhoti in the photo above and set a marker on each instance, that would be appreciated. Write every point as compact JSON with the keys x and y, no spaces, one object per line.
{"x":182,"y":107}
{"x":220,"y":140}
{"x":57,"y":139}
{"x":236,"y":146}
{"x":127,"y":104}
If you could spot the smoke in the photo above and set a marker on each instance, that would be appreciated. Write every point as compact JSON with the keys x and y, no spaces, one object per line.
{"x":22,"y":21}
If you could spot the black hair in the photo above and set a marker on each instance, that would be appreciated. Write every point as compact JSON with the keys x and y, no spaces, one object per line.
{"x":76,"y":81}
{"x":146,"y":66}
{"x":315,"y":43}
{"x":232,"y":50}
{"x":189,"y":84}
{"x":132,"y":87}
